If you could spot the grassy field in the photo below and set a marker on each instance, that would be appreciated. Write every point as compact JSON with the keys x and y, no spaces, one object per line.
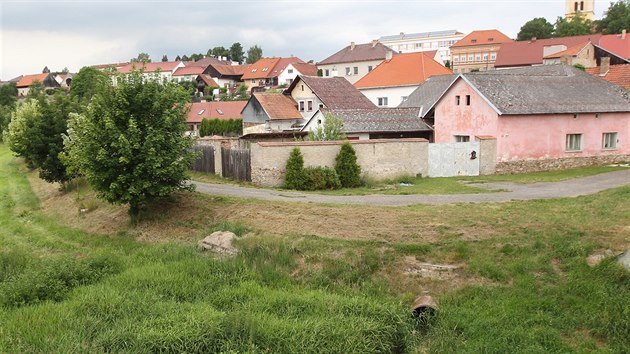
{"x":447,"y":185}
{"x":309,"y":277}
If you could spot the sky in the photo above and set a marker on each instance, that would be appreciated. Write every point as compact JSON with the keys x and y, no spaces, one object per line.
{"x":73,"y":34}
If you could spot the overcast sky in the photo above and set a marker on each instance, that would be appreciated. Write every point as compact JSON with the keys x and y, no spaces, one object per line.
{"x":72,"y":34}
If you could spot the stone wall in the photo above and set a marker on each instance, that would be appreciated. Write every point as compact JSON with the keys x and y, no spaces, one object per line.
{"x":379,"y":159}
{"x":525,"y":166}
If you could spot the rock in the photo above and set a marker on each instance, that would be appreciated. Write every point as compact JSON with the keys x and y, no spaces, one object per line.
{"x":219,"y":242}
{"x":624,"y":260}
{"x":598,"y":257}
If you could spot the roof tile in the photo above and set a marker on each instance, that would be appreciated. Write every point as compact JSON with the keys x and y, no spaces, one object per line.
{"x":482,"y":37}
{"x":278,"y":106}
{"x":215,"y":110}
{"x":360,"y":52}
{"x":403,"y":70}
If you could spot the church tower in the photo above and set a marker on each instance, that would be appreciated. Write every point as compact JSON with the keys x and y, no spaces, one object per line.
{"x":586,"y":8}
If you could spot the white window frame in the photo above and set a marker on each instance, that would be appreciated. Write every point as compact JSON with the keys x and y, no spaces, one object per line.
{"x":382,"y":101}
{"x":609,"y":141}
{"x":573,"y":142}
{"x":462,"y":138}
{"x":348,"y":71}
{"x":356,"y":70}
{"x":309,"y":105}
{"x":301,"y":106}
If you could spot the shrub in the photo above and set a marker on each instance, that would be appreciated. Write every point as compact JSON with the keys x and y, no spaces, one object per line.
{"x":346,"y":166}
{"x":294,"y":177}
{"x":319,"y":178}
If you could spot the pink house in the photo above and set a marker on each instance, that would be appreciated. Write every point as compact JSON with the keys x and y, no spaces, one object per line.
{"x":535,"y":113}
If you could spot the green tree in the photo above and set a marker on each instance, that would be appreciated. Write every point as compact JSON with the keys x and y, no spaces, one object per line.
{"x":294,"y":177}
{"x":141,"y":58}
{"x":236,"y":52}
{"x":616,"y":18}
{"x":220,"y":52}
{"x":576,"y":26}
{"x":131,"y":144}
{"x":185,"y":58}
{"x":16,"y":136}
{"x":254,"y":54}
{"x":331,"y":129}
{"x":539,"y":27}
{"x":5,"y":117}
{"x":178,"y":58}
{"x":347,"y":168}
{"x":87,"y":83}
{"x":8,"y":94}
{"x":164,"y":58}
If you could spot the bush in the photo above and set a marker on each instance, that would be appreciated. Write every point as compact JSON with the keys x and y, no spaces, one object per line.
{"x":294,"y":177}
{"x":221,"y":127}
{"x":346,"y":166}
{"x":320,"y":178}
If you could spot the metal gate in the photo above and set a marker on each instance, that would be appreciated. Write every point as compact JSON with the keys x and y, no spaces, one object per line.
{"x":236,"y":164}
{"x":454,"y":159}
{"x":205,"y":161}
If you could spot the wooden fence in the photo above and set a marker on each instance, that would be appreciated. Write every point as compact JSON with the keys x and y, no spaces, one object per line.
{"x":205,"y":161}
{"x":236,"y":163}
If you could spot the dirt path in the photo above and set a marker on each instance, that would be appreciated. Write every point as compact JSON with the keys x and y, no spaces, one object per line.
{"x":544,"y":190}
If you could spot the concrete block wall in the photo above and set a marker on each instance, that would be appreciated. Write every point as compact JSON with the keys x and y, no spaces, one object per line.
{"x":379,"y":159}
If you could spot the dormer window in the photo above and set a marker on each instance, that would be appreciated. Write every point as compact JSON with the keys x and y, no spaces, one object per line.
{"x":219,"y":111}
{"x":265,"y":69}
{"x":473,"y":41}
{"x":490,"y":39}
{"x":254,"y":70}
{"x":201,"y":112}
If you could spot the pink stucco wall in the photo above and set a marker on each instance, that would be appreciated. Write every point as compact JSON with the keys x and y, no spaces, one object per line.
{"x":524,"y":137}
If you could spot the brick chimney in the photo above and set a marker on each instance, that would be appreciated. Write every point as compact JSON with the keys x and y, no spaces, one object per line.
{"x":604,"y":66}
{"x":351,"y":45}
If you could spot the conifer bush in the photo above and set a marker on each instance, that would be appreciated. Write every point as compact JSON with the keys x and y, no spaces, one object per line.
{"x":294,"y":177}
{"x":347,"y":168}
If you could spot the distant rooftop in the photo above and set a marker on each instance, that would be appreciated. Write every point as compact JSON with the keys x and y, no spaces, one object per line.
{"x":402,"y":36}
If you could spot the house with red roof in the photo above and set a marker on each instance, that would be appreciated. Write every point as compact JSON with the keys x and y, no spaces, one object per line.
{"x":222,"y":110}
{"x":162,"y":70}
{"x":187,"y":73}
{"x":582,"y":54}
{"x":477,"y":51}
{"x":266,"y":72}
{"x":225,"y":75}
{"x":25,"y":82}
{"x":616,"y":74}
{"x":355,"y":61}
{"x":617,"y":44}
{"x":392,"y":81}
{"x":292,"y":71}
{"x":270,"y":113}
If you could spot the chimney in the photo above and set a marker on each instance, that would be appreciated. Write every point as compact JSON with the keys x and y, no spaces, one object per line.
{"x":534,"y":39}
{"x":604,"y":66}
{"x":623,"y":34}
{"x":351,"y":45}
{"x":374,"y":42}
{"x":402,"y":33}
{"x":388,"y":55}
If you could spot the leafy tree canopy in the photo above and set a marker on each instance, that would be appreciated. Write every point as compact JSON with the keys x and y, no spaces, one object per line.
{"x":236,"y":52}
{"x":254,"y":54}
{"x":538,"y":27}
{"x":8,"y":94}
{"x":88,"y":82}
{"x":141,"y":58}
{"x":616,"y":18}
{"x":576,"y":26}
{"x":331,"y":129}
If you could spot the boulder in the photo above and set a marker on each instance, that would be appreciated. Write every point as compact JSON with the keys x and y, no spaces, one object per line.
{"x":219,"y":242}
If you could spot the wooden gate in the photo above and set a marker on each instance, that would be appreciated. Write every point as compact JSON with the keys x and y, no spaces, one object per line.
{"x":205,"y":161}
{"x":236,"y":164}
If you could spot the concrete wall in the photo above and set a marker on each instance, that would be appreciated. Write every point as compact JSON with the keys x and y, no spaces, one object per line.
{"x":394,"y":94}
{"x":379,"y":159}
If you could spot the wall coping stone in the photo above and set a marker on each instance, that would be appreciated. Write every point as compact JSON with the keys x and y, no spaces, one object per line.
{"x":339,"y":142}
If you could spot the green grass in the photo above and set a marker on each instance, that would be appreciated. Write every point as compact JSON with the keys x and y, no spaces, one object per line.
{"x":525,"y":285}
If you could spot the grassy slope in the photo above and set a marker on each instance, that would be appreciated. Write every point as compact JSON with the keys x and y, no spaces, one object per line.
{"x":322,"y":277}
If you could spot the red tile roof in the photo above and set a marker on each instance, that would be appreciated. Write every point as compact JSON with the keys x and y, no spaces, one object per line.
{"x":615,"y":44}
{"x":189,"y":70}
{"x":115,"y":66}
{"x":278,"y":106}
{"x":403,"y":70}
{"x":572,"y":51}
{"x":208,"y":80}
{"x":524,"y":53}
{"x":162,"y":66}
{"x":357,"y":53}
{"x":269,"y":67}
{"x":617,"y":74}
{"x":215,"y":110}
{"x":482,"y":37}
{"x":28,"y":80}
{"x":306,"y":69}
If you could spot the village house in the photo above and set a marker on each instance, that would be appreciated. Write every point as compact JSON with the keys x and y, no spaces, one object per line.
{"x":616,"y":74}
{"x":289,"y":73}
{"x":477,"y":51}
{"x":354,"y":61}
{"x":540,"y":114}
{"x":440,"y":41}
{"x":223,"y":110}
{"x":267,"y":113}
{"x":163,"y":70}
{"x":188,"y":73}
{"x":25,"y":82}
{"x":265,"y":73}
{"x":392,"y":81}
{"x":228,"y":76}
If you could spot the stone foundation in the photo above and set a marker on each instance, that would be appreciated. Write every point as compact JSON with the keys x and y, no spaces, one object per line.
{"x":525,"y":166}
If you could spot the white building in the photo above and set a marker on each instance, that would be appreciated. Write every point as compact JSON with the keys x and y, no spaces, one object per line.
{"x":424,"y":42}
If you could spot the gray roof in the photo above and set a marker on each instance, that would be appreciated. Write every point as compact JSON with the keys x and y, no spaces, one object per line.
{"x":548,"y":89}
{"x":377,"y":120}
{"x":360,"y":52}
{"x":422,"y":35}
{"x":425,"y":96}
{"x":335,"y":92}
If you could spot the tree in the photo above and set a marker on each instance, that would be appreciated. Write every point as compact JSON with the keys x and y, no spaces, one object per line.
{"x":294,"y":177}
{"x":236,"y":52}
{"x":538,"y":27}
{"x":254,"y":54}
{"x":88,"y":82}
{"x":16,"y":136}
{"x":616,"y":18}
{"x":130,"y":144}
{"x":576,"y":26}
{"x":347,"y":168}
{"x":164,"y":58}
{"x":220,"y":52}
{"x":185,"y":58}
{"x":178,"y":58}
{"x":331,"y":129}
{"x":141,"y":58}
{"x":8,"y":94}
